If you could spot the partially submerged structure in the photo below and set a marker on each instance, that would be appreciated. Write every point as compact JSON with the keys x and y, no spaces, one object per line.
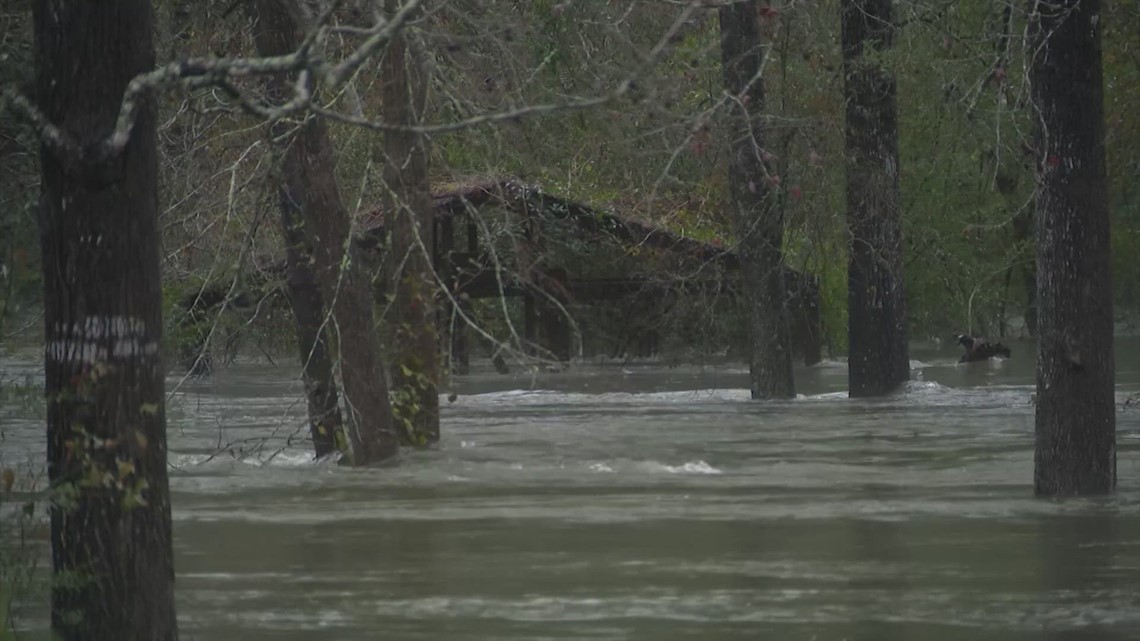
{"x":505,"y":239}
{"x":550,"y":275}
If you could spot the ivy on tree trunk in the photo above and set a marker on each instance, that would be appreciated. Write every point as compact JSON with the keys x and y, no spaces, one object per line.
{"x":106,"y":427}
{"x":411,"y":214}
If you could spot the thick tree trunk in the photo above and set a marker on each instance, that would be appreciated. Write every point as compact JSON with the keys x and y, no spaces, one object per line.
{"x":415,"y":368}
{"x":878,"y":360}
{"x":110,"y":516}
{"x":1076,"y":420}
{"x":310,"y":183}
{"x":326,"y":425}
{"x":759,"y":225}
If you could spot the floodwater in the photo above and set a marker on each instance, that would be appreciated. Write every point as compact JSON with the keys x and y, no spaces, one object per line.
{"x":647,"y":502}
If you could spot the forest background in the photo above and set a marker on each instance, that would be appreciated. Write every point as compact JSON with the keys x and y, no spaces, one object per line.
{"x":654,"y":152}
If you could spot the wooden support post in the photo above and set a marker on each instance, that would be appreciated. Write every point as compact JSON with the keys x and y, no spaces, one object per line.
{"x":443,"y":243}
{"x":556,"y":333}
{"x":527,"y":256}
{"x":815,"y":322}
{"x":530,"y":323}
{"x":460,"y":354}
{"x":555,"y":325}
{"x":807,"y":325}
{"x":646,"y":342}
{"x":453,"y":337}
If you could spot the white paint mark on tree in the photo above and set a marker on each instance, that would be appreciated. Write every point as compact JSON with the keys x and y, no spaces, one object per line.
{"x":100,"y":338}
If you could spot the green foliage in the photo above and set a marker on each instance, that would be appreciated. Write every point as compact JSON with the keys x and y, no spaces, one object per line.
{"x":20,"y":275}
{"x":22,"y":397}
{"x":1121,"y":22}
{"x":965,"y":175}
{"x":407,"y":402}
{"x":656,"y":153}
{"x":20,"y":278}
{"x":23,"y":535}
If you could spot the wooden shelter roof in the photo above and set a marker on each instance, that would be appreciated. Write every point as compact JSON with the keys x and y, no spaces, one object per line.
{"x":510,"y":193}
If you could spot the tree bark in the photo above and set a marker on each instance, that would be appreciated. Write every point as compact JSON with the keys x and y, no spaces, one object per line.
{"x":758,"y":224}
{"x":326,"y":426}
{"x":416,"y":369}
{"x":106,"y":425}
{"x":878,"y":359}
{"x":1076,"y":419}
{"x":309,"y":182}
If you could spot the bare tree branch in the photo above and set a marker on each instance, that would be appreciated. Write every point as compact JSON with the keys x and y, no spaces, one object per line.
{"x":220,"y":72}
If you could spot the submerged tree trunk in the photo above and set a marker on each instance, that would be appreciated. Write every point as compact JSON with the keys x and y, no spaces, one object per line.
{"x":326,"y":426}
{"x":758,"y":224}
{"x":1076,"y":420}
{"x":110,"y":515}
{"x":415,"y":369}
{"x":878,"y":360}
{"x":310,"y":183}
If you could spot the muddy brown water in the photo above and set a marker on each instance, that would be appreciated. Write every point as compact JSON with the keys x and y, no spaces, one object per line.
{"x":640,"y":501}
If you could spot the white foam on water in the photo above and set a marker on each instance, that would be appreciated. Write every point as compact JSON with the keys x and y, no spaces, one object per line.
{"x":552,"y":397}
{"x":826,"y":396}
{"x":289,"y":458}
{"x":690,"y":467}
{"x":831,"y":363}
{"x":282,"y":458}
